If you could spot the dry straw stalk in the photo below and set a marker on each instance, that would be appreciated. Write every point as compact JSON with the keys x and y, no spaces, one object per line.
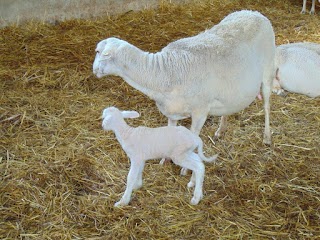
{"x":60,"y":174}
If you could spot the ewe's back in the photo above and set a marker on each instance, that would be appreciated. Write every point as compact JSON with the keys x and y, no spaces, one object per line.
{"x":299,"y":68}
{"x":238,"y":27}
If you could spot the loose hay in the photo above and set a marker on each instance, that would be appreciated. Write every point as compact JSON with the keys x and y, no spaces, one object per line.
{"x":61,"y":174}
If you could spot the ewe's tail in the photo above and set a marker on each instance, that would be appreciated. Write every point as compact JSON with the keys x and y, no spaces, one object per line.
{"x":203,"y":157}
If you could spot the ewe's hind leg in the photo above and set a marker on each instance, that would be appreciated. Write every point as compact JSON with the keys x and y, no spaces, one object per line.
{"x":268,"y":76}
{"x":222,"y":127}
{"x":304,"y":7}
{"x":193,"y":162}
{"x":266,"y":91}
{"x":276,"y":86}
{"x":131,"y":183}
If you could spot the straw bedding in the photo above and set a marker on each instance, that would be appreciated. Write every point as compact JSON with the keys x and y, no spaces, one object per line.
{"x":61,"y":174}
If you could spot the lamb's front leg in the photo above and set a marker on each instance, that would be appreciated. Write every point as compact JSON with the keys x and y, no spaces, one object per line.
{"x":131,"y":183}
{"x":138,"y":183}
{"x":170,"y":123}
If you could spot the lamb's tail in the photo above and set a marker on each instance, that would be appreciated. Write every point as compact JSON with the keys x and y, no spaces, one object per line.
{"x":202,"y":156}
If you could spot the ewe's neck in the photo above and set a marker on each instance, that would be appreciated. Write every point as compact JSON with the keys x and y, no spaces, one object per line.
{"x":145,"y":71}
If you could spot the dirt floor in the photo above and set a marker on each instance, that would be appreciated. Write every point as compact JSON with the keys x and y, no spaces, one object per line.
{"x":60,"y":173}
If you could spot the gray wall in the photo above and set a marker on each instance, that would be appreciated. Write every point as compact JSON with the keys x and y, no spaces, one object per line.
{"x":17,"y":11}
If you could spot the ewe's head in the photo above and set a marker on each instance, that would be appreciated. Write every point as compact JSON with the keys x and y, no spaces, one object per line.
{"x":112,"y":117}
{"x":105,"y":62}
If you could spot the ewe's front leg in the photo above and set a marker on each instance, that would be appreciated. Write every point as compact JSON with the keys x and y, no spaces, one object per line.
{"x":170,"y":123}
{"x":131,"y":183}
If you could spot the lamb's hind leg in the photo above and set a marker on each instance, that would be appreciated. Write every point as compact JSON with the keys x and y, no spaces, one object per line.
{"x":198,"y":120}
{"x":193,"y":162}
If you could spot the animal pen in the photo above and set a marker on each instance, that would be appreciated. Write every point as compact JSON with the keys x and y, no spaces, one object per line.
{"x":60,"y":173}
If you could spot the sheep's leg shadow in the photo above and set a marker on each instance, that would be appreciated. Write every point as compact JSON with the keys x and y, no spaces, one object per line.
{"x":193,"y":162}
{"x":132,"y":179}
{"x":170,"y":123}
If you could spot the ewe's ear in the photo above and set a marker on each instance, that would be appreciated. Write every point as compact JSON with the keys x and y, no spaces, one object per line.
{"x":106,"y":53}
{"x":130,"y":114}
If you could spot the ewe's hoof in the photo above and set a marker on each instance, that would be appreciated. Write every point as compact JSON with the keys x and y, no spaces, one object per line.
{"x":267,"y":141}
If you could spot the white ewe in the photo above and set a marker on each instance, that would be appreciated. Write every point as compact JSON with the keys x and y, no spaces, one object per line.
{"x":298,"y":69}
{"x":218,"y":72}
{"x":304,"y":6}
{"x":142,"y":144}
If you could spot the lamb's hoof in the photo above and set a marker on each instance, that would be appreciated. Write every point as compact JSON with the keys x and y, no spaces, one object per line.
{"x":184,"y":171}
{"x":138,"y":186}
{"x":190,"y":184}
{"x":195,"y":200}
{"x":120,"y":204}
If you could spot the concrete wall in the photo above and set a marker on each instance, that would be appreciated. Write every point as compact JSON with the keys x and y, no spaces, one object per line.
{"x":17,"y":11}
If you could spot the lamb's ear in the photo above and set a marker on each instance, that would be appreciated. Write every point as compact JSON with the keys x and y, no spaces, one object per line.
{"x":104,"y":113}
{"x":130,"y":114}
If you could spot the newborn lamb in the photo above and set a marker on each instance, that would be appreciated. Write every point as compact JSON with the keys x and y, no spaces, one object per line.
{"x":142,"y":144}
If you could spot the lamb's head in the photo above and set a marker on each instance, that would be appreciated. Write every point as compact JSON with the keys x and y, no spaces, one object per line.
{"x":112,"y":117}
{"x":107,"y":56}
